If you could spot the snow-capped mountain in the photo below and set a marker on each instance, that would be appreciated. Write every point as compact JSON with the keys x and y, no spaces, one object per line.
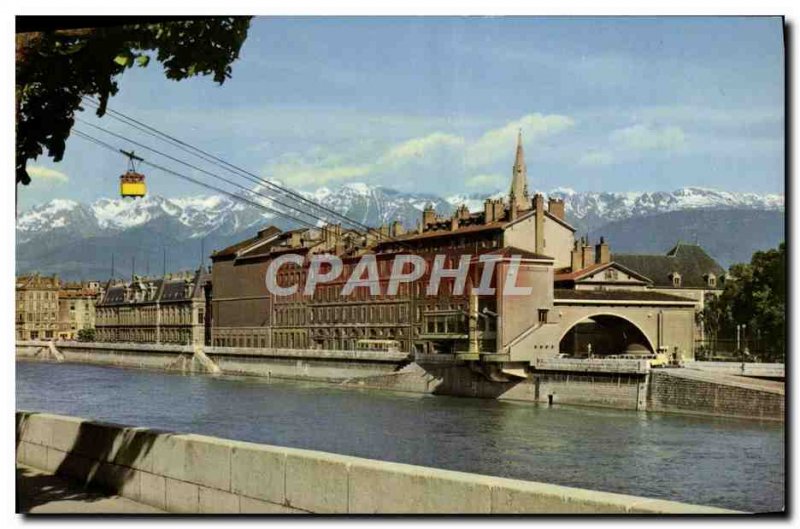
{"x":77,"y":239}
{"x":593,"y":209}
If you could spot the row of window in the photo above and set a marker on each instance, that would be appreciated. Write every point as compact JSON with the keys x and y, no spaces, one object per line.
{"x":36,"y":295}
{"x":35,"y":335}
{"x":173,"y":336}
{"x":148,"y":315}
{"x":36,"y":316}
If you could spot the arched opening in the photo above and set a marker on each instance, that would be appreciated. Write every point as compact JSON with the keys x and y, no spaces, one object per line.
{"x":602,"y":335}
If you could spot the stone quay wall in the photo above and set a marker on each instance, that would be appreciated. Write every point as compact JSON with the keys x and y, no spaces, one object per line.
{"x":186,"y":473}
{"x":720,"y":395}
{"x":305,"y":364}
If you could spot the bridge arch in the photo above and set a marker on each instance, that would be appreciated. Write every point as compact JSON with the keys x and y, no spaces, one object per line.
{"x":607,"y":332}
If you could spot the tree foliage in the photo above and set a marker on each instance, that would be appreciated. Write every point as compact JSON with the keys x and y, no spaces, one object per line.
{"x":87,"y":335}
{"x":755,"y":296}
{"x":55,"y":69}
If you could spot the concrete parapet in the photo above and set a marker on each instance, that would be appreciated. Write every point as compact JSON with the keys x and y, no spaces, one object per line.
{"x":199,"y":474}
{"x":747,"y":369}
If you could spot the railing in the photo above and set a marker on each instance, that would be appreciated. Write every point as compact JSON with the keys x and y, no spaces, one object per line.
{"x":751,"y":350}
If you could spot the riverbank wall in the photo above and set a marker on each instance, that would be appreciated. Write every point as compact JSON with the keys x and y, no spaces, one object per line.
{"x":186,"y":473}
{"x":318,"y":365}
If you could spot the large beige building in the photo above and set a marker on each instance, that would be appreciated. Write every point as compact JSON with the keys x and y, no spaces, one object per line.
{"x":37,"y":307}
{"x":582,"y":302}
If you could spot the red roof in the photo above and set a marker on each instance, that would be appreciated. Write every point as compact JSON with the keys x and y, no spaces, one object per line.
{"x":571,"y":276}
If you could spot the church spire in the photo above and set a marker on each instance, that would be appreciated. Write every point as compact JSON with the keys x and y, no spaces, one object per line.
{"x":519,"y":178}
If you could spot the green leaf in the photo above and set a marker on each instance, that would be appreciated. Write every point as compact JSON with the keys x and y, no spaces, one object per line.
{"x":123,"y":59}
{"x":143,"y":60}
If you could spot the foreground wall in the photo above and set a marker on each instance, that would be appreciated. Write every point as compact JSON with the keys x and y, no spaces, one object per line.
{"x":198,"y":474}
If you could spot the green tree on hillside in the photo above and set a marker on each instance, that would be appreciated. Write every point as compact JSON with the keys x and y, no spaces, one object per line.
{"x":55,"y":69}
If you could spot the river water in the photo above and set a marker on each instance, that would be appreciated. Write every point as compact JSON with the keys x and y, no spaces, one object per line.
{"x":729,"y":463}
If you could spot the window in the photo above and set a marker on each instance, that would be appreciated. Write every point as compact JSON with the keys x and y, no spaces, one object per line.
{"x":543,"y":315}
{"x":676,"y":279}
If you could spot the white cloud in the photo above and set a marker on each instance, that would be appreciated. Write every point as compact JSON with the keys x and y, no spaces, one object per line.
{"x":497,"y":143}
{"x":47,"y":174}
{"x":486,"y":181}
{"x":596,"y":158}
{"x":417,"y":148}
{"x":304,"y":174}
{"x":642,"y":137}
{"x":414,"y":161}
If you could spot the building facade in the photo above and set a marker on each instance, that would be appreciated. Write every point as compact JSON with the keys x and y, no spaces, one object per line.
{"x":76,"y":308}
{"x":168,"y":310}
{"x":245,"y":314}
{"x":580,"y":297}
{"x":37,"y":307}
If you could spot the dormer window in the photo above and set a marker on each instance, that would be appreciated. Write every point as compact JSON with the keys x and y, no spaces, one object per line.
{"x":675,"y":277}
{"x":711,"y":280}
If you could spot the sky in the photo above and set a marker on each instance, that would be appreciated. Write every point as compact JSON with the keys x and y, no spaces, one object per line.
{"x":433,"y":104}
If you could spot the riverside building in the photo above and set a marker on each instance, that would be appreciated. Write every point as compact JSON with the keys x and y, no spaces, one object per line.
{"x":580,"y":301}
{"x":37,"y":307}
{"x":164,"y":310}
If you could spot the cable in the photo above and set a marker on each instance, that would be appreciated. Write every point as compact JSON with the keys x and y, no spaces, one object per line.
{"x":240,"y":198}
{"x":119,"y":116}
{"x":195,"y":151}
{"x":187,"y":164}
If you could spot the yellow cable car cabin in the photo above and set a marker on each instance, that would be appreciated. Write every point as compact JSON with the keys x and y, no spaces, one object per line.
{"x":132,"y":184}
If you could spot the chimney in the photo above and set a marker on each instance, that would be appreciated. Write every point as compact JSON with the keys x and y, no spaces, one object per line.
{"x":396,"y":229}
{"x":512,"y":209}
{"x":499,"y":209}
{"x":454,"y":223}
{"x":576,"y":257}
{"x":488,"y":211}
{"x":556,"y":208}
{"x":588,"y":254}
{"x":296,"y":240}
{"x":462,"y":212}
{"x":538,"y":206}
{"x":601,"y":252}
{"x":428,"y":216}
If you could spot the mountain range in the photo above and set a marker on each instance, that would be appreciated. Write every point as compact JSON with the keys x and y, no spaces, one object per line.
{"x":77,"y":240}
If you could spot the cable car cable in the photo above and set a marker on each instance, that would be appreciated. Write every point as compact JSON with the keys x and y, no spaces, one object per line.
{"x":240,"y":198}
{"x":205,"y":155}
{"x":196,"y":168}
{"x":226,"y":165}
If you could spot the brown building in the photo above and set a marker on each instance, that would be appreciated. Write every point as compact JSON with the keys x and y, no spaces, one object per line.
{"x":581,"y":300}
{"x":244,"y":314}
{"x":165,"y":310}
{"x":76,"y":308}
{"x":37,"y":307}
